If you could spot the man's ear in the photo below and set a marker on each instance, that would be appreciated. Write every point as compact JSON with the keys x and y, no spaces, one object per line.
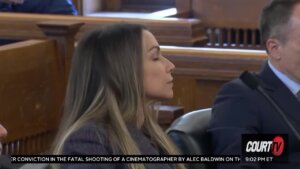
{"x":273,"y":46}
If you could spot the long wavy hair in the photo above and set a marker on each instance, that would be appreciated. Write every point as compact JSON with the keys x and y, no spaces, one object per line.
{"x":106,"y":87}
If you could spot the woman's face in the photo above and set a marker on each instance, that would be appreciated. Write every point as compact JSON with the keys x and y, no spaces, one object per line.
{"x":158,"y":80}
{"x":3,"y":133}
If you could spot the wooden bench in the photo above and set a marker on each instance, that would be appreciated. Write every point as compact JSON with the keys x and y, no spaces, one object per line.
{"x":31,"y":95}
{"x":186,"y":32}
{"x":33,"y":77}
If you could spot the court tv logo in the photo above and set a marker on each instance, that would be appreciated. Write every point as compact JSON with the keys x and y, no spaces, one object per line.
{"x":264,"y":148}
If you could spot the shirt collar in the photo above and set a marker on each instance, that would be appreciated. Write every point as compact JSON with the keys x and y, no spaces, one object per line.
{"x":292,"y":85}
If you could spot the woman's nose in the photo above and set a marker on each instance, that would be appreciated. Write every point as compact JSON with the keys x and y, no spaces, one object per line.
{"x":170,"y":66}
{"x":3,"y":132}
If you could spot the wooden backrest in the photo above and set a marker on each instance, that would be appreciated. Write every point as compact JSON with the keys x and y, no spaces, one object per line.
{"x":31,"y":95}
{"x":200,"y":72}
{"x":229,"y":23}
{"x":229,"y":13}
{"x":168,"y":31}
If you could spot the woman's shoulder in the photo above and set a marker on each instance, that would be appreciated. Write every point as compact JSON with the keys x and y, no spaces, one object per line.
{"x":91,"y":128}
{"x":91,"y":131}
{"x":88,"y":139}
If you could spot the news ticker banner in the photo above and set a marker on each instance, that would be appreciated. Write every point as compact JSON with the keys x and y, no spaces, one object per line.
{"x":123,"y":159}
{"x":255,"y":148}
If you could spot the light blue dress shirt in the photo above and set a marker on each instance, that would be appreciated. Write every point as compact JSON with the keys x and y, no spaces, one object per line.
{"x":292,"y":85}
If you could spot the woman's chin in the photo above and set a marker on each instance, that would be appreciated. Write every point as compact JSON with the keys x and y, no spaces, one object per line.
{"x":161,"y":97}
{"x":167,"y":96}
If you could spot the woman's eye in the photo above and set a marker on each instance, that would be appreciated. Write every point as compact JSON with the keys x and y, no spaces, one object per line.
{"x":155,"y":58}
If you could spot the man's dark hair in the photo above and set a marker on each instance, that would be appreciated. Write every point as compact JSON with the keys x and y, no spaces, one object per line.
{"x":275,"y":19}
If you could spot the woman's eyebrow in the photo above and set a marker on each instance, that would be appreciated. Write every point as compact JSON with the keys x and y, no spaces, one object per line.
{"x":154,"y":47}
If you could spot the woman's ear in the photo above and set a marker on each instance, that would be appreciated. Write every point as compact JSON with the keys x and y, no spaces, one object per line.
{"x":274,"y":46}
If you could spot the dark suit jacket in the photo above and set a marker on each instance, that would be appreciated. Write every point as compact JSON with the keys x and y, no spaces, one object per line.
{"x":41,"y":6}
{"x":239,"y":110}
{"x":93,"y":140}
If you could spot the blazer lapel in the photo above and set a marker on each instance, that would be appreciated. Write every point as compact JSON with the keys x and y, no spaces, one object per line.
{"x":285,"y":99}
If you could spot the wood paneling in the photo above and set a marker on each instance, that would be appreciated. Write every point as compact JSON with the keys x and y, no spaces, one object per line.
{"x":31,"y":95}
{"x":229,"y":13}
{"x":184,"y":8}
{"x":228,"y":23}
{"x":112,"y":5}
{"x":33,"y":78}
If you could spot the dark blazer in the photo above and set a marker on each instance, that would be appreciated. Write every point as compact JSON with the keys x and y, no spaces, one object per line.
{"x":239,"y":110}
{"x":93,"y":140}
{"x":41,"y":6}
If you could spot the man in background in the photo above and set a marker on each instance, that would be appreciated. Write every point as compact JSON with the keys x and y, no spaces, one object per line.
{"x":239,"y":110}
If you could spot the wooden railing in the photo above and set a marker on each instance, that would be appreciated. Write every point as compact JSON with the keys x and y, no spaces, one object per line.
{"x":228,"y":23}
{"x":185,"y":32}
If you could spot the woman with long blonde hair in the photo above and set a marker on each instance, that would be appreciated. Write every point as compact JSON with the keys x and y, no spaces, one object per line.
{"x":117,"y":75}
